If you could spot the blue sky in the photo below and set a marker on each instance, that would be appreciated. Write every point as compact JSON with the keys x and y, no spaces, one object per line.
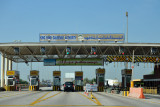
{"x":25,"y":19}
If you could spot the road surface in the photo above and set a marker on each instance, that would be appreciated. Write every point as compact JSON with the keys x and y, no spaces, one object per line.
{"x":49,"y":98}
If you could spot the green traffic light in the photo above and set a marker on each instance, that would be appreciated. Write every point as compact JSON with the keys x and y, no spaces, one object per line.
{"x":67,"y":53}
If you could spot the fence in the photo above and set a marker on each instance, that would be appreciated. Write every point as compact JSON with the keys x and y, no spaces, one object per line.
{"x":150,"y":90}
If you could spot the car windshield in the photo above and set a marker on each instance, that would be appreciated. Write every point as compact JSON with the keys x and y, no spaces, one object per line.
{"x":69,"y":83}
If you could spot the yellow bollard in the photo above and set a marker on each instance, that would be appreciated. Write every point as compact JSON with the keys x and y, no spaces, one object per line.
{"x":127,"y":93}
{"x":124,"y":93}
{"x":156,"y":90}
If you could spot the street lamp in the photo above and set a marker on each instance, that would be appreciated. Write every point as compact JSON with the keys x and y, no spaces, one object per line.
{"x":127,"y":28}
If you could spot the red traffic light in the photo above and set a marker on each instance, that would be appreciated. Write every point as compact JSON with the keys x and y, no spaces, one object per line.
{"x":123,"y":53}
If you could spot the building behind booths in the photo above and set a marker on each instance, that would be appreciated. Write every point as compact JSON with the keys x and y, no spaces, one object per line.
{"x":153,"y":80}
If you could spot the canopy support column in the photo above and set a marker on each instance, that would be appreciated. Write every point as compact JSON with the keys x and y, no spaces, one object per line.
{"x":2,"y":69}
{"x":6,"y":69}
{"x":10,"y":64}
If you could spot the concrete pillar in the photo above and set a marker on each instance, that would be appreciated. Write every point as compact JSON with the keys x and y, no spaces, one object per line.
{"x":6,"y":69}
{"x":2,"y":69}
{"x":10,"y":65}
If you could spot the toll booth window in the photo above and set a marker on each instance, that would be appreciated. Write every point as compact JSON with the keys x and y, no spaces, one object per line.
{"x":78,"y":82}
{"x":101,"y":79}
{"x":10,"y":81}
{"x":56,"y":81}
{"x":34,"y":81}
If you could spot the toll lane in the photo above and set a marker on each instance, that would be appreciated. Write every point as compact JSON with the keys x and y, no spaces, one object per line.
{"x":45,"y":98}
{"x":69,"y":99}
{"x":116,"y":100}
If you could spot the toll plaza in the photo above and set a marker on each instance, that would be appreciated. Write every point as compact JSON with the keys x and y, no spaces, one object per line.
{"x":56,"y":80}
{"x":77,"y":50}
{"x":34,"y":80}
{"x":12,"y":78}
{"x":78,"y":81}
{"x":100,"y":78}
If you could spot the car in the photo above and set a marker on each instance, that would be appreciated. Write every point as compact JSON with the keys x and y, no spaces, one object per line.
{"x":68,"y":86}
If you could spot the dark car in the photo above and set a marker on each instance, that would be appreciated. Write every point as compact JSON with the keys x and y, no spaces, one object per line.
{"x":68,"y":86}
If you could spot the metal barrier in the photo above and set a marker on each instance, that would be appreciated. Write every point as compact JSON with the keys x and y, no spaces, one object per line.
{"x":125,"y":93}
{"x":78,"y":88}
{"x":150,"y":90}
{"x":33,"y":88}
{"x":56,"y":88}
{"x":100,"y":89}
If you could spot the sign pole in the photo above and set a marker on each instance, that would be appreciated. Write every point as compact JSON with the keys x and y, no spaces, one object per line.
{"x":132,"y":66}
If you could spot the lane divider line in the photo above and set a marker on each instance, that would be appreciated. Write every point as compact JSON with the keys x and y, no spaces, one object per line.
{"x":50,"y":96}
{"x":98,"y":103}
{"x":39,"y":99}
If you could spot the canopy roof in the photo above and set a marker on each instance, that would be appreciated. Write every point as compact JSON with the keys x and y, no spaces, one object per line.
{"x":31,"y":52}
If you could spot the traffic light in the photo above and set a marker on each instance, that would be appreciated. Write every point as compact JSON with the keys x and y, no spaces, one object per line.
{"x":121,"y":50}
{"x":16,"y":50}
{"x":43,"y":50}
{"x":154,"y":51}
{"x":93,"y":50}
{"x":68,"y":50}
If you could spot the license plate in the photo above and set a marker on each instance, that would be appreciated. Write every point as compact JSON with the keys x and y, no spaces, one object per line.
{"x":68,"y":86}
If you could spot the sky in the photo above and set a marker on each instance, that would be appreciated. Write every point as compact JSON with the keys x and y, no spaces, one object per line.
{"x":25,"y":19}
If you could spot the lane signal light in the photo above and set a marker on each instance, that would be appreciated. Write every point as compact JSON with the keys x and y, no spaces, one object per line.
{"x":93,"y":50}
{"x":154,"y":50}
{"x":121,"y":50}
{"x":68,"y":50}
{"x":43,"y":50}
{"x":16,"y":50}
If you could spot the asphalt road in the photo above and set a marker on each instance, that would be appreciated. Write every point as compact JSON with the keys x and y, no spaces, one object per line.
{"x":46,"y":97}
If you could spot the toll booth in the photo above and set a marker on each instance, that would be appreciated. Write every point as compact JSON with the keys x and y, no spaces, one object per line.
{"x":100,"y":78}
{"x":12,"y":78}
{"x":34,"y":80}
{"x":56,"y":80}
{"x":126,"y":78}
{"x":78,"y":81}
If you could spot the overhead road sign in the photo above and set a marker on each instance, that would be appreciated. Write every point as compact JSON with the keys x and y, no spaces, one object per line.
{"x":73,"y":62}
{"x":44,"y":37}
{"x":49,"y":62}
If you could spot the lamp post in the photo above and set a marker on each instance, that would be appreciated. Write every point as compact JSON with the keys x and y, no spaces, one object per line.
{"x":127,"y":28}
{"x":126,"y":64}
